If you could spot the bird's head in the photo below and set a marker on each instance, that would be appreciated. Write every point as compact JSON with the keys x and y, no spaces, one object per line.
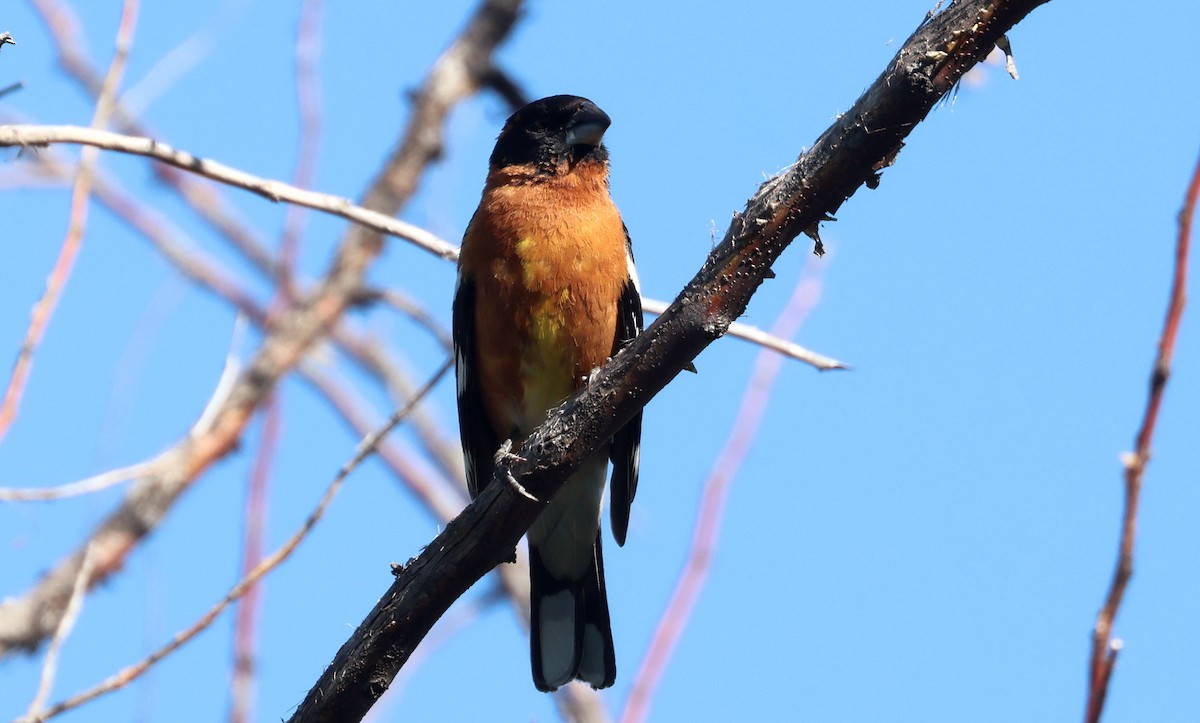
{"x":553,"y":134}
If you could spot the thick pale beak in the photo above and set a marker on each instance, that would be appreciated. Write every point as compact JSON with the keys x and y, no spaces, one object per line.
{"x":588,"y":126}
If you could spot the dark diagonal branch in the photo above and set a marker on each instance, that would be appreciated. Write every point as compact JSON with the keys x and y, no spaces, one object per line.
{"x":1104,"y":648}
{"x":848,"y":155}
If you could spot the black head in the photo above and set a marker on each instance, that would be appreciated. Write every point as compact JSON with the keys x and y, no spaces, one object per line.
{"x":552,"y":131}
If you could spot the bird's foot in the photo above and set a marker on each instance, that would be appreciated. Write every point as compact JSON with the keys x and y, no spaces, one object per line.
{"x":505,"y":454}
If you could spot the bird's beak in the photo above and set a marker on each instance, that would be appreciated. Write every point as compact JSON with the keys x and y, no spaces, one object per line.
{"x":587,"y":127}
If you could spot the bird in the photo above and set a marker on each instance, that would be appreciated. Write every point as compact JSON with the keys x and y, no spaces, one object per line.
{"x":546,"y":293}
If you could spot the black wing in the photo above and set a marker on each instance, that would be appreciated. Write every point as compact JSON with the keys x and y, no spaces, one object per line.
{"x":625,"y":450}
{"x":478,"y":438}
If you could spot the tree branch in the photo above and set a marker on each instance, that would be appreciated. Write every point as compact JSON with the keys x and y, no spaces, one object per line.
{"x":848,"y":155}
{"x":272,"y":190}
{"x":717,"y":486}
{"x":1104,"y":649}
{"x":28,"y":620}
{"x":81,"y":190}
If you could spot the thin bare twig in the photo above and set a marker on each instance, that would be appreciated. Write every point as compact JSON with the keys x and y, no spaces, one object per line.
{"x":308,"y":95}
{"x":74,"y":606}
{"x":418,"y":312}
{"x":443,"y":500}
{"x":27,"y":620}
{"x":209,"y":274}
{"x":172,"y":66}
{"x":458,"y":73}
{"x":269,"y":563}
{"x":272,"y":190}
{"x":1104,"y":648}
{"x":242,"y":688}
{"x":43,"y":310}
{"x":205,"y":198}
{"x":307,"y":53}
{"x":92,"y":484}
{"x":706,"y":530}
{"x":774,"y":342}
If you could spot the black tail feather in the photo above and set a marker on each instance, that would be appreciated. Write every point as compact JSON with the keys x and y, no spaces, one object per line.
{"x":597,"y":667}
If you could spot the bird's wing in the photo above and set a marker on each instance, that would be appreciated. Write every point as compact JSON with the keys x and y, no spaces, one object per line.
{"x":625,"y":450}
{"x":479,"y":440}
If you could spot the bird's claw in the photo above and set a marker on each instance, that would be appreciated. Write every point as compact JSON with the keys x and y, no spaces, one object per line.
{"x":505,"y":454}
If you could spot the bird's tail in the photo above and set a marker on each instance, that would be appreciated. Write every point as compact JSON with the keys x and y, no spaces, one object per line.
{"x":570,"y":634}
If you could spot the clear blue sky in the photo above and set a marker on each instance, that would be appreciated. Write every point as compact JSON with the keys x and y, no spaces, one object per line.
{"x":925,"y":538}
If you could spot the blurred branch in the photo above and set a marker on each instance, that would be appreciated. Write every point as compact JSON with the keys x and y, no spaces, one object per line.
{"x":307,"y":53}
{"x":1104,"y":648}
{"x":848,"y":155}
{"x":227,"y":417}
{"x":503,"y":85}
{"x":308,"y":96}
{"x":208,"y":274}
{"x":458,"y":73}
{"x":27,"y":620}
{"x":443,"y":501}
{"x":10,"y":135}
{"x":43,"y":310}
{"x":415,"y":310}
{"x":177,"y":62}
{"x":245,"y":626}
{"x":74,"y":606}
{"x":707,"y":528}
{"x":131,"y":673}
{"x":92,"y":484}
{"x":754,"y":335}
{"x":38,"y":135}
{"x":203,"y":197}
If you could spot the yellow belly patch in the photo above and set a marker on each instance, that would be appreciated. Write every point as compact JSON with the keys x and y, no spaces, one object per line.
{"x":547,"y":366}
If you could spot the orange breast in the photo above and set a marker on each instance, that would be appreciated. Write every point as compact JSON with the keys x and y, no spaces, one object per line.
{"x":548,"y":258}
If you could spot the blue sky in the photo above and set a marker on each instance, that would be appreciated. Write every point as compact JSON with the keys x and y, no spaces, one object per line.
{"x":925,"y":538}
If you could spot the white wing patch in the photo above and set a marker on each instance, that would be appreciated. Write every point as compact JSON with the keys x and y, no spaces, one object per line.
{"x":460,"y":370}
{"x":637,"y":286}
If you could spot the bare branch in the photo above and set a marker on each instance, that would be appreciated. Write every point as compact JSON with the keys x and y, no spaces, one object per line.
{"x":308,"y":94}
{"x":754,"y":335}
{"x":32,"y":135}
{"x":720,"y":479}
{"x":1104,"y":648}
{"x":92,"y":484}
{"x":245,"y":627}
{"x":269,"y":563}
{"x":848,"y":155}
{"x":74,"y":606}
{"x":204,"y":197}
{"x":459,"y":72}
{"x":43,"y":310}
{"x":440,"y":247}
{"x":26,"y":621}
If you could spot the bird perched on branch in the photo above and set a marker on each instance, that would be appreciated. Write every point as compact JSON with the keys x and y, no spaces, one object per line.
{"x":547,"y":293}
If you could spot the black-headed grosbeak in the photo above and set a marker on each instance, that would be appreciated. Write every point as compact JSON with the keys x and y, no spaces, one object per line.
{"x":546,"y":293}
